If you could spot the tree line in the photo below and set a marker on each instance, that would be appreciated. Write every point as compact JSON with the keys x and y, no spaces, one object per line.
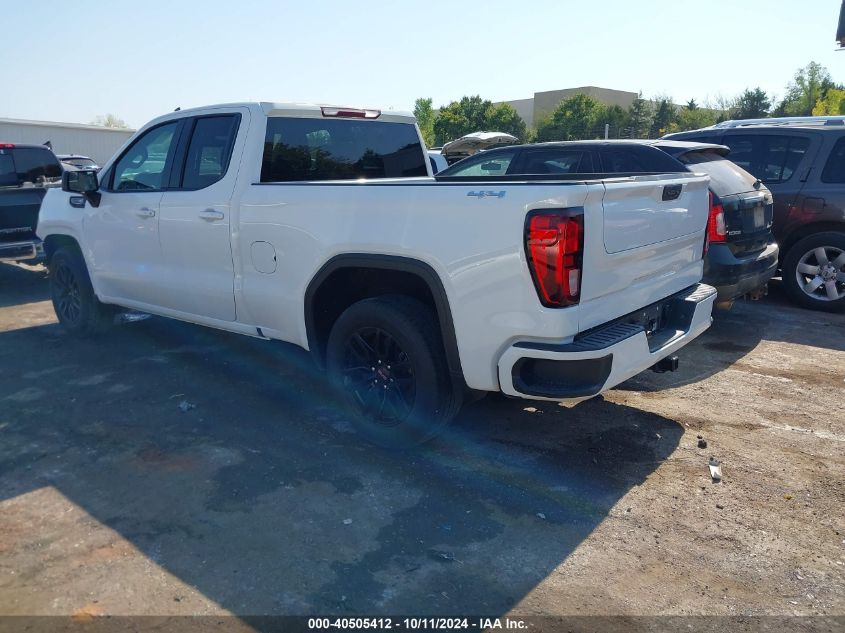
{"x":810,"y":92}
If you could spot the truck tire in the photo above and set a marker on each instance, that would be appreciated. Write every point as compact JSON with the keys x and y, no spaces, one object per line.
{"x":814,"y":272}
{"x":79,"y":311}
{"x":386,"y":359}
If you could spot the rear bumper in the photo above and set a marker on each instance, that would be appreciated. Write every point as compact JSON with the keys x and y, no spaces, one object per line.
{"x":607,"y":355}
{"x":29,"y":250}
{"x":734,"y":276}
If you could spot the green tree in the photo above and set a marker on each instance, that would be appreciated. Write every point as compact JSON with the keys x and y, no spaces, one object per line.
{"x":664,"y":115}
{"x":693,"y":119}
{"x":832,"y":103}
{"x":616,"y":118}
{"x":573,"y":119}
{"x":639,"y":115}
{"x":502,"y":117}
{"x":751,"y":104}
{"x":809,"y":84}
{"x":461,"y":117}
{"x":691,"y":105}
{"x":109,"y":120}
{"x":425,"y":119}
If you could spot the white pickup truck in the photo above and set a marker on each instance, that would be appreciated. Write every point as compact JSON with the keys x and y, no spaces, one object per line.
{"x":323,"y":227}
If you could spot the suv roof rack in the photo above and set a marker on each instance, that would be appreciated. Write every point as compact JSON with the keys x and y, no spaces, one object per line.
{"x":784,"y":120}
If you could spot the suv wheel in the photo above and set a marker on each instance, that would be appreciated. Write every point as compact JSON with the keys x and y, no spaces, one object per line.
{"x":77,"y":307}
{"x":814,"y":272}
{"x":386,"y":359}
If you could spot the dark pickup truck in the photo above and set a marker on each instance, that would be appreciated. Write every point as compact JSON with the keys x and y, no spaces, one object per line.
{"x":26,"y":171}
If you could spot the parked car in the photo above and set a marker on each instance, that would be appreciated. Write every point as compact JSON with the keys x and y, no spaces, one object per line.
{"x":802,"y":161}
{"x":322,"y":227}
{"x":469,"y":144}
{"x":741,"y":253}
{"x":75,"y":161}
{"x":26,"y":172}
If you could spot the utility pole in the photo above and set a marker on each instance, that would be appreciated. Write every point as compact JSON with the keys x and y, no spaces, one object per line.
{"x":607,"y":128}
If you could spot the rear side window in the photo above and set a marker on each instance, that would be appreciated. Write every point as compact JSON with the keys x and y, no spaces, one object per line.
{"x":726,"y":178}
{"x":638,"y":159}
{"x":771,"y":158}
{"x":209,"y":151}
{"x":834,"y":168}
{"x":8,"y":176}
{"x":297,"y":149}
{"x":482,"y":164}
{"x":556,"y":161}
{"x":34,"y":163}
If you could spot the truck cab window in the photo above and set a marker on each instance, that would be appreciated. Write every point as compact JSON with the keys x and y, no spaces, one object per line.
{"x":209,"y":151}
{"x":8,"y":175}
{"x":141,"y":168}
{"x":302,"y":149}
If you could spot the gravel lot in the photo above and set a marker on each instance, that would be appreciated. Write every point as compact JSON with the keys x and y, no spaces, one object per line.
{"x":119,"y":497}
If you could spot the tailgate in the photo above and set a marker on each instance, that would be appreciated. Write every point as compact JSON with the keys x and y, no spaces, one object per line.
{"x":643,"y":241}
{"x":19,"y":213}
{"x":748,"y":221}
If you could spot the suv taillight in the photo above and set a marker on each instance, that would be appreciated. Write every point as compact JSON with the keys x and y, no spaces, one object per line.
{"x":554,"y":244}
{"x":716,"y":230}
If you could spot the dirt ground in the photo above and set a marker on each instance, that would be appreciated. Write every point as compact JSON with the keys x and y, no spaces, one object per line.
{"x":259,"y":499}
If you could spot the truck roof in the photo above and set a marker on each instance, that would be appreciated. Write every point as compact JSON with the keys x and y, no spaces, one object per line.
{"x":275,"y":108}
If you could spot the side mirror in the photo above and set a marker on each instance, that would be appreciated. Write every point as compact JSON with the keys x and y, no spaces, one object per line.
{"x":82,"y":181}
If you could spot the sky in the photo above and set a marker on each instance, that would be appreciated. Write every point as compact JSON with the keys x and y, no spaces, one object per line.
{"x":71,"y":61}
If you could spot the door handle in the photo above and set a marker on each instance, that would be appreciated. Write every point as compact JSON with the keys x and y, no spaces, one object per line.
{"x":145,"y":212}
{"x":211,"y":214}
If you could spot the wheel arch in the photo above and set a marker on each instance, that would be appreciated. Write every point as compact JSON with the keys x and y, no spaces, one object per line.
{"x":391,"y":270}
{"x":55,"y":241}
{"x":806,"y":230}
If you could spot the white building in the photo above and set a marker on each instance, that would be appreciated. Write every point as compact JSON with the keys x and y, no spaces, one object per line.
{"x":94,"y":141}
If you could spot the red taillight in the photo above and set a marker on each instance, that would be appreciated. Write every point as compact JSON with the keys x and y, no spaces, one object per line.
{"x":716,"y":229}
{"x":554,"y":244}
{"x":7,"y":146}
{"x":353,"y":113}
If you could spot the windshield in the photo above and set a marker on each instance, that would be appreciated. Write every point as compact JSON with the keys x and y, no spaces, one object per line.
{"x":79,"y":161}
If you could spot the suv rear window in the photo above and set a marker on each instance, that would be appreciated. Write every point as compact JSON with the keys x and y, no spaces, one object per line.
{"x":726,"y":178}
{"x":772,"y":158}
{"x":297,"y":149}
{"x":834,"y":168}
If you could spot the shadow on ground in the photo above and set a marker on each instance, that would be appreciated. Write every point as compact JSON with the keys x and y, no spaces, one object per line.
{"x":262,"y":498}
{"x":21,"y":284}
{"x":737,"y":331}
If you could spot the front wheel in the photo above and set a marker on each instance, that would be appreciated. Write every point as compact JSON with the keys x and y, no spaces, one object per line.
{"x":386,"y":359}
{"x":814,"y":272}
{"x":77,"y":308}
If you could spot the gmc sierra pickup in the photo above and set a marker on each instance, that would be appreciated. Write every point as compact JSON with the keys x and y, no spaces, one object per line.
{"x":322,"y":227}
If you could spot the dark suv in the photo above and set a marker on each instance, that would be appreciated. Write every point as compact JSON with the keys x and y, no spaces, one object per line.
{"x":741,"y":253}
{"x":25,"y":173}
{"x":802,"y":161}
